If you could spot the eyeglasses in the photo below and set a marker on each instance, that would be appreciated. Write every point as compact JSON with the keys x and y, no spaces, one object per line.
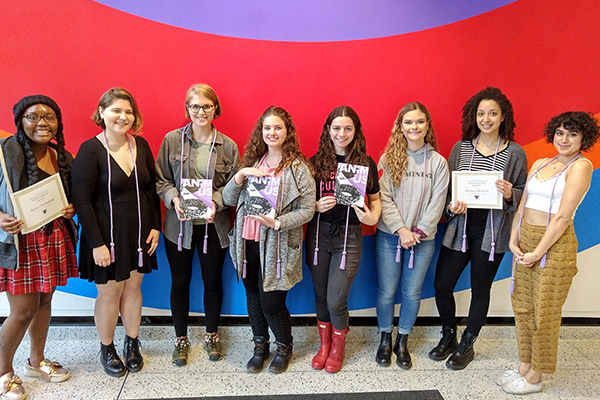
{"x":195,"y":108}
{"x":33,"y":118}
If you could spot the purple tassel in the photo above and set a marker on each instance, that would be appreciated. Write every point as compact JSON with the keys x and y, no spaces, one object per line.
{"x":464,"y":244}
{"x":343,"y":262}
{"x":398,"y":254}
{"x":492,"y":251}
{"x":112,"y":252}
{"x":205,"y":248}
{"x":316,"y":257}
{"x":140,"y":258}
{"x":512,"y":285}
{"x":411,"y":260}
{"x":279,"y":269}
{"x":543,"y":262}
{"x":244,"y":270}
{"x":180,"y":242}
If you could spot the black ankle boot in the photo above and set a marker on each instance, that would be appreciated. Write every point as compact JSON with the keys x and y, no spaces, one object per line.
{"x":446,"y":346}
{"x":384,"y":353}
{"x":401,"y":349}
{"x":131,"y":352}
{"x":282,"y":358}
{"x":464,"y":353}
{"x":261,"y":353}
{"x":110,"y":360}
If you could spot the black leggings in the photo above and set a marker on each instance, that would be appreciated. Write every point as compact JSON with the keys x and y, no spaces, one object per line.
{"x":451,"y":264}
{"x":211,"y":265}
{"x":265,"y":309}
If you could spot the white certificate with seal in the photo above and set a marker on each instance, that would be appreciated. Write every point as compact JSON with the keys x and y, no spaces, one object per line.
{"x":477,"y":188}
{"x":38,"y":204}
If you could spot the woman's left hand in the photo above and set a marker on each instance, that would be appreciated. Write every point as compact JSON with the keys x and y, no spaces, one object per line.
{"x":365,"y":215}
{"x":263,"y":219}
{"x":153,"y":240}
{"x":505,"y":187}
{"x":68,"y":211}
{"x":210,"y":218}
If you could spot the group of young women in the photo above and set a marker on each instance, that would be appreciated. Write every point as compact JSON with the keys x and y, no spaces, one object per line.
{"x":115,"y":188}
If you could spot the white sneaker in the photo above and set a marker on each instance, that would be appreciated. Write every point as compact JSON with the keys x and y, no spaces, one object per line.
{"x":521,"y":386}
{"x":508,"y":376}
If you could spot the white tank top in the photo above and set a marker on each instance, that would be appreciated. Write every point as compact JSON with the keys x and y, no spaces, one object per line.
{"x":539,"y":191}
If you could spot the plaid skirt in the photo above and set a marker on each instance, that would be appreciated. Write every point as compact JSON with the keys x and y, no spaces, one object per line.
{"x":45,"y":262}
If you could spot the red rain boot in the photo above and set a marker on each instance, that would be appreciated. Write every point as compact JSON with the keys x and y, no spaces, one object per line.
{"x":338,"y":348}
{"x":318,"y":361}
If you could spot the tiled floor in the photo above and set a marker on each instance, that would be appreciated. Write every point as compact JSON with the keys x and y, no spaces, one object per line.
{"x":578,"y":375}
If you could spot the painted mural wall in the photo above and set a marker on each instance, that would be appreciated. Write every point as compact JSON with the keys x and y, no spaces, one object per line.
{"x":310,"y":57}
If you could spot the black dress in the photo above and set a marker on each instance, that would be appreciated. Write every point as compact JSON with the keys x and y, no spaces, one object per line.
{"x":90,"y":195}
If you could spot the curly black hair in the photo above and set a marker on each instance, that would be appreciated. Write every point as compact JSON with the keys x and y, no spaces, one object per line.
{"x":30,"y":160}
{"x":470,"y":130}
{"x":575,"y":121}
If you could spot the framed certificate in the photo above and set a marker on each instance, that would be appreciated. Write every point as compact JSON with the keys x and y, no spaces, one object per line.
{"x":38,"y":204}
{"x":477,"y":188}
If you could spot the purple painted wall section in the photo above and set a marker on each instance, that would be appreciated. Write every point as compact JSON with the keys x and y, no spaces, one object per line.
{"x":306,"y":20}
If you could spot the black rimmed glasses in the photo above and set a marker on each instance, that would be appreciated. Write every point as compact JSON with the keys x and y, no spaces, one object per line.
{"x":33,"y":118}
{"x":195,"y":108}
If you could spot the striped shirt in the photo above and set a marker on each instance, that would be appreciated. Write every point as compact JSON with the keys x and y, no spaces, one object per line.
{"x":480,"y":162}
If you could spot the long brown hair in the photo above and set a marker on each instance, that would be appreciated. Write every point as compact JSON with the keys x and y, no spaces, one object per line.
{"x":395,"y":152}
{"x":256,"y":146}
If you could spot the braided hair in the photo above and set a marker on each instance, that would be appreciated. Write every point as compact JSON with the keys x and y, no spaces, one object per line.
{"x":30,"y":161}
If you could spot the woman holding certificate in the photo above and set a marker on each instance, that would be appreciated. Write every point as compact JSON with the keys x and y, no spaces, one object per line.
{"x":274,"y":192}
{"x":115,"y":193}
{"x":413,"y":195}
{"x":545,"y":247}
{"x":473,"y":234}
{"x":334,"y":236}
{"x":33,"y":264}
{"x":189,"y":157}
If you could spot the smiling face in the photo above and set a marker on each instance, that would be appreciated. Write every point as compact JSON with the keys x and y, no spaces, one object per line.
{"x":201,"y":118}
{"x":42,"y":131}
{"x":341,"y":132}
{"x":274,"y":132}
{"x":118,"y":117}
{"x":414,"y":127}
{"x":567,"y":143}
{"x":489,"y":117}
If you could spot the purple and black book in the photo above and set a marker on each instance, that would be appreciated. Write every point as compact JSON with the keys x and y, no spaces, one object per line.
{"x":262,"y":195}
{"x":351,"y":184}
{"x":196,"y":198}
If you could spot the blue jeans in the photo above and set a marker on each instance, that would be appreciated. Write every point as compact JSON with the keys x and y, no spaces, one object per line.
{"x":391,"y":274}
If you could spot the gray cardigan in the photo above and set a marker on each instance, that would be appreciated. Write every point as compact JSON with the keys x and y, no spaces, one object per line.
{"x":515,"y":171}
{"x":298,"y":207}
{"x":223,"y":165}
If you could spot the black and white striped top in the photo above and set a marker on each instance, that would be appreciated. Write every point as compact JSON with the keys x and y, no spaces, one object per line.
{"x":480,"y":162}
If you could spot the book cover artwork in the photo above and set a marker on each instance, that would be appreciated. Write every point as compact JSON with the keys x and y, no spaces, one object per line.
{"x":196,"y":198}
{"x":262,"y":195}
{"x":351,"y":184}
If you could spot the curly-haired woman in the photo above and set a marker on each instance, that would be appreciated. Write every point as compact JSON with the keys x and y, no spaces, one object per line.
{"x":413,"y":194}
{"x":545,"y":247}
{"x":334,"y":236}
{"x":476,"y":235}
{"x":35,"y":263}
{"x":266,"y":251}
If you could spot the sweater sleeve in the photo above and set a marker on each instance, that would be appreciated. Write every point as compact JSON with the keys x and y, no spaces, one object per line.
{"x":306,"y":208}
{"x":165,"y":182}
{"x":389,"y":210}
{"x":435,"y":207}
{"x":234,"y":157}
{"x":517,"y":171}
{"x":85,"y":179}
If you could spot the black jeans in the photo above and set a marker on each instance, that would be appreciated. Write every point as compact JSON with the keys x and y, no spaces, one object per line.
{"x":211,"y":265}
{"x":451,"y":264}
